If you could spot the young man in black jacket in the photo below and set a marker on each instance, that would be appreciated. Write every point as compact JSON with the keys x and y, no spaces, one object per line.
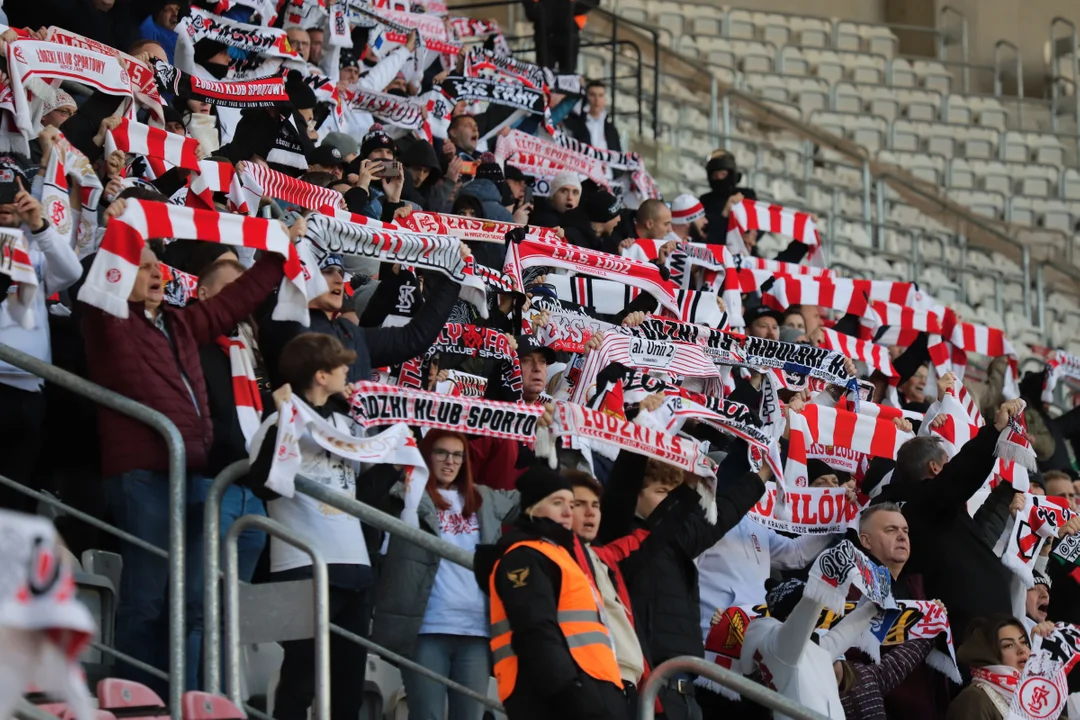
{"x":595,"y":126}
{"x":664,"y":593}
{"x":947,"y":547}
{"x":374,"y":346}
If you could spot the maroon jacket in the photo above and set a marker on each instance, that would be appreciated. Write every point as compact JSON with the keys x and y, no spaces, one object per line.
{"x":134,"y":358}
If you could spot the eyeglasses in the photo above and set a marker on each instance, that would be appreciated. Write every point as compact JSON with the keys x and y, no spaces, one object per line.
{"x":444,"y":455}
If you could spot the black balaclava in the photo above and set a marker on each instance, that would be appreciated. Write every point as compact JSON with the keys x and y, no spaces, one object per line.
{"x":722,"y":160}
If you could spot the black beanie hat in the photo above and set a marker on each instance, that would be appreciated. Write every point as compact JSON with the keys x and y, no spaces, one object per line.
{"x":489,"y":169}
{"x":601,"y":206}
{"x":782,"y":597}
{"x":205,"y":49}
{"x":538,"y":482}
{"x":348,"y":58}
{"x":376,"y":139}
{"x":300,"y":93}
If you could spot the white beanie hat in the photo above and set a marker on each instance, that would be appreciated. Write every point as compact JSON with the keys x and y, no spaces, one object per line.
{"x":685,"y":209}
{"x":565,"y":178}
{"x":61,"y":99}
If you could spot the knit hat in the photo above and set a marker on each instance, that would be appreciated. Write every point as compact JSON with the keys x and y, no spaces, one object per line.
{"x":376,"y":139}
{"x":300,"y":93}
{"x":348,"y":59}
{"x":790,"y":334}
{"x":721,"y":160}
{"x":1041,"y":579}
{"x":468,"y":202}
{"x":345,"y":144}
{"x":60,"y":99}
{"x":782,"y":597}
{"x":685,"y":209}
{"x":489,"y":169}
{"x":601,"y":206}
{"x":565,"y":178}
{"x":332,"y":260}
{"x":420,"y":153}
{"x":539,"y":481}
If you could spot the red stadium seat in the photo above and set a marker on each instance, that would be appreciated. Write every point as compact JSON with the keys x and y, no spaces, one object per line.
{"x":204,"y":706}
{"x":127,"y":698}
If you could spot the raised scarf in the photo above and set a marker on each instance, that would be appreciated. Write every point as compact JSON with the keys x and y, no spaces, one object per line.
{"x":875,"y":357}
{"x":469,"y":341}
{"x":239,"y":347}
{"x":766,"y":217}
{"x":180,"y":287}
{"x":215,"y":177}
{"x":294,"y":419}
{"x":462,"y":384}
{"x":112,"y":275}
{"x":688,"y":255}
{"x":262,"y":93}
{"x":518,"y":97}
{"x":516,"y":143}
{"x":838,"y":568}
{"x":254,"y":39}
{"x":433,"y":253}
{"x":396,"y":25}
{"x":1060,"y":365}
{"x":32,"y":64}
{"x":916,"y":620}
{"x":133,"y":137}
{"x":265,"y":9}
{"x":142,"y":77}
{"x":568,"y":328}
{"x":1013,"y":443}
{"x":815,"y":511}
{"x":843,"y":294}
{"x":387,"y":109}
{"x":472,"y":229}
{"x":259,"y":181}
{"x":44,"y":626}
{"x":644,"y":276}
{"x":478,"y":60}
{"x":15,"y":263}
{"x":78,"y":228}
{"x":466,"y":27}
{"x":1026,"y":532}
{"x":1042,"y":689}
{"x":375,"y":405}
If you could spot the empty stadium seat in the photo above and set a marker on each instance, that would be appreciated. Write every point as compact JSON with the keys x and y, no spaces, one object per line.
{"x":204,"y":706}
{"x":126,"y":696}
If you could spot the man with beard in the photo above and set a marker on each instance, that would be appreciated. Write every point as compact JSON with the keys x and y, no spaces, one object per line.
{"x":688,"y":221}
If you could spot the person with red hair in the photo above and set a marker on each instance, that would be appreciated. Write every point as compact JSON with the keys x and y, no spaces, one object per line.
{"x":432,"y":610}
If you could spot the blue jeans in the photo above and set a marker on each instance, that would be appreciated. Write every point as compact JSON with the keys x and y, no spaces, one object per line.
{"x":462,"y":658}
{"x":236,"y":502}
{"x":139,"y":503}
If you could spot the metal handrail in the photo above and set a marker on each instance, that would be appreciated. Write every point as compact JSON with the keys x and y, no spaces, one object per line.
{"x":943,"y":41}
{"x":745,"y":687}
{"x":177,"y":480}
{"x":1019,"y":76}
{"x":320,"y":709}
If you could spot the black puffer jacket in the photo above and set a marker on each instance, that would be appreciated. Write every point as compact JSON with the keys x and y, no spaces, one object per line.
{"x":664,"y":594}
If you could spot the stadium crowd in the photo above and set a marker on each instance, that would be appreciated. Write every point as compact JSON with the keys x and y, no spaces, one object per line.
{"x":365,"y":245}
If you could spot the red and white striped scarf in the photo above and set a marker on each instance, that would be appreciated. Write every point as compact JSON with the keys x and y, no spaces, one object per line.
{"x":472,"y":229}
{"x":516,"y":143}
{"x":645,"y":276}
{"x":112,"y":276}
{"x":1060,"y":365}
{"x":766,"y":217}
{"x":76,"y":227}
{"x":215,"y":177}
{"x":720,"y":274}
{"x":15,"y":263}
{"x":133,"y":137}
{"x":239,"y":348}
{"x":876,"y":357}
{"x":843,"y":294}
{"x":259,"y":181}
{"x":1014,"y":444}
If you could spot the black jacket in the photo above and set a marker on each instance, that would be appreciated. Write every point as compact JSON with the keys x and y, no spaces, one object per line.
{"x":947,"y":547}
{"x":664,"y":593}
{"x":374,"y":346}
{"x":576,"y":125}
{"x":549,"y":682}
{"x":230,"y":444}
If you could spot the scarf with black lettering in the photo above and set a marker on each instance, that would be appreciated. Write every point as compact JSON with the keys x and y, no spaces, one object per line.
{"x":466,"y":27}
{"x":470,"y":341}
{"x":516,"y":144}
{"x":462,"y":384}
{"x":397,"y":24}
{"x":719,"y":265}
{"x":480,"y":63}
{"x":1026,"y":532}
{"x":375,"y":405}
{"x":610,"y":297}
{"x":1042,"y":688}
{"x":568,"y":328}
{"x":820,"y":363}
{"x":254,"y":39}
{"x":1067,"y":552}
{"x":77,"y":227}
{"x":387,"y":109}
{"x":436,"y":253}
{"x":813,"y":511}
{"x":838,"y":568}
{"x":261,"y":93}
{"x":915,"y":620}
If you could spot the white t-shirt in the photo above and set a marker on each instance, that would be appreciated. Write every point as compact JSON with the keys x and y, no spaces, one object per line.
{"x":338,"y":535}
{"x":595,"y":125}
{"x":456,"y":605}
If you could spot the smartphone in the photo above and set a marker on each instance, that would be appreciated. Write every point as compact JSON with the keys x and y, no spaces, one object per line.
{"x":8,"y":191}
{"x":528,"y":200}
{"x":468,"y":168}
{"x":391,"y":169}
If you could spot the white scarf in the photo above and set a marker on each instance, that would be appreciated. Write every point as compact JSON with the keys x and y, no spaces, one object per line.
{"x":15,"y":263}
{"x":77,"y":228}
{"x":1042,"y":689}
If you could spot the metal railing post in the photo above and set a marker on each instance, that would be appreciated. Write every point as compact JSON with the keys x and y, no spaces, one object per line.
{"x":177,"y":489}
{"x":879,"y":188}
{"x":1025,"y":258}
{"x":320,"y":581}
{"x":725,"y":116}
{"x":211,"y":573}
{"x":1071,"y":47}
{"x":614,"y":59}
{"x":714,"y":97}
{"x":999,"y":86}
{"x":747,"y":688}
{"x":943,"y":40}
{"x":1040,"y":294}
{"x":867,"y":219}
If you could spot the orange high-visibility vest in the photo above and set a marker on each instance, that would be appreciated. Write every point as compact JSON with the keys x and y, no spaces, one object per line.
{"x":579,"y":619}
